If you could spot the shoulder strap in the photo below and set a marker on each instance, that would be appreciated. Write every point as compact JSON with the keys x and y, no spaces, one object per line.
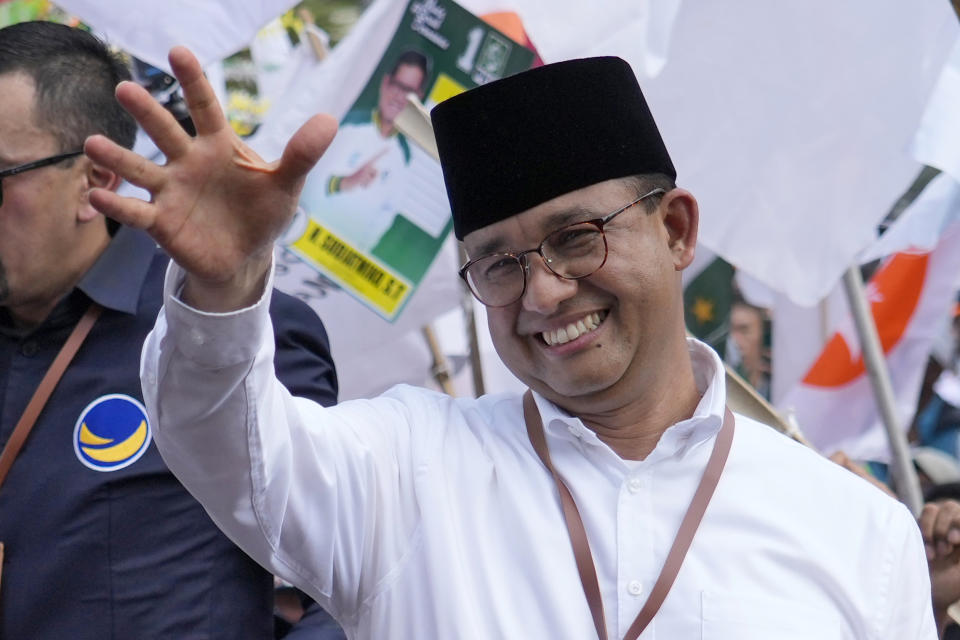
{"x":45,"y":388}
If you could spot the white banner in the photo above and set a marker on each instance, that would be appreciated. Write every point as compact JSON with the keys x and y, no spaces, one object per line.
{"x":638,"y":32}
{"x":212,"y":29}
{"x":791,"y":122}
{"x":938,"y":141}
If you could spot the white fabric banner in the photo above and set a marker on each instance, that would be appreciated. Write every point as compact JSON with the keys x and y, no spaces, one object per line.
{"x":638,"y":32}
{"x":791,"y":122}
{"x":937,"y":143}
{"x":911,"y":297}
{"x":212,"y":29}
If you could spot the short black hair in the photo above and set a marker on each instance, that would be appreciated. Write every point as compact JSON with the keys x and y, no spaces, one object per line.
{"x":413,"y":58}
{"x":74,"y":76}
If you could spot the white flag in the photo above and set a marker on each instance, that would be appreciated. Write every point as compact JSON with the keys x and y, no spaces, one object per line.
{"x":937,"y":143}
{"x":638,"y":32}
{"x":212,"y":29}
{"x":790,"y":122}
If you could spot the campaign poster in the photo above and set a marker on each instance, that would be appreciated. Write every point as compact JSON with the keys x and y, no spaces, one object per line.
{"x":374,"y":213}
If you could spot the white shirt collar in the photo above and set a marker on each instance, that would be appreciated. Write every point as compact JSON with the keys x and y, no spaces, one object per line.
{"x":680,"y":437}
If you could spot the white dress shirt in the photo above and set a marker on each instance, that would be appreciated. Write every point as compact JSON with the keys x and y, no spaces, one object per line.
{"x":418,"y":515}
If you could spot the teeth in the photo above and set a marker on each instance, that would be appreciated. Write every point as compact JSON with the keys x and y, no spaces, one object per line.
{"x":572,"y":331}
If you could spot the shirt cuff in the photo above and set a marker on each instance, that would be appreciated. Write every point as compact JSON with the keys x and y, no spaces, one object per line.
{"x":215,"y":340}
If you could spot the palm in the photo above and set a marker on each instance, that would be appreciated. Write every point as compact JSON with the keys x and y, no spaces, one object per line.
{"x":215,"y":190}
{"x":216,"y":204}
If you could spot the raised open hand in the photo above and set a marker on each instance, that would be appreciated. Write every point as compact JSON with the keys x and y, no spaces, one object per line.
{"x":216,"y":206}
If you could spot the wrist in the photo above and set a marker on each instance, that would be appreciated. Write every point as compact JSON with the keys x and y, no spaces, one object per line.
{"x":242,"y":289}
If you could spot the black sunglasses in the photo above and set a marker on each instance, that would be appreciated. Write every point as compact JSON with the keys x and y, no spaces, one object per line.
{"x":36,"y":164}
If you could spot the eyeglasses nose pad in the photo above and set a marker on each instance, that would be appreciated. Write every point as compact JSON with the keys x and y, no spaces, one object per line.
{"x":525,"y":263}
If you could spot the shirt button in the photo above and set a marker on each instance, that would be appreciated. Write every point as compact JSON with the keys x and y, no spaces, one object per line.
{"x":634,"y":485}
{"x":197,"y":336}
{"x":634,"y":588}
{"x":29,"y":348}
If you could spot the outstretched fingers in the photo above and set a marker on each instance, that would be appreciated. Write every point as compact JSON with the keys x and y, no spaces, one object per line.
{"x":197,"y":93}
{"x":159,"y":123}
{"x":131,"y":212}
{"x":304,"y":149}
{"x":130,"y":166}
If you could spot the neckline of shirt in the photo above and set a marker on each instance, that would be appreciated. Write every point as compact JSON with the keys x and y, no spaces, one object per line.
{"x":679,"y":438}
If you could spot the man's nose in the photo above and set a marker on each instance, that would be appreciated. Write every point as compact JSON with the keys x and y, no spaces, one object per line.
{"x":545,"y":290}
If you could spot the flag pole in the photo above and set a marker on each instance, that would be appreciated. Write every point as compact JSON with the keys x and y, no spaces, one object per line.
{"x":904,"y":473}
{"x":440,"y":369}
{"x":414,"y":122}
{"x":466,"y":304}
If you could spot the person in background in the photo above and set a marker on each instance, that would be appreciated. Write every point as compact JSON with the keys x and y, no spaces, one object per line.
{"x":750,"y":334}
{"x":100,"y":540}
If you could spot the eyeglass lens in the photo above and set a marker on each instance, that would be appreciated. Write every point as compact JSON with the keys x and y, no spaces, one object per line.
{"x":571,"y":252}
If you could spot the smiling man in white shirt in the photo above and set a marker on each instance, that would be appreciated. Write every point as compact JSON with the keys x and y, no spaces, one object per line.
{"x":419,"y":515}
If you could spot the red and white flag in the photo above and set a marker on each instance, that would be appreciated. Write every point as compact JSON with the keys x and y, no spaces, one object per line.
{"x":911,"y":297}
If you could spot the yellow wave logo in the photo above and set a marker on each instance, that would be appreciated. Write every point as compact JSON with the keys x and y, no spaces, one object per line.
{"x":112,"y":433}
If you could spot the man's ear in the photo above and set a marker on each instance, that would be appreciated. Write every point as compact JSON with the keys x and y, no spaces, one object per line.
{"x":96,"y":176}
{"x":681,"y":218}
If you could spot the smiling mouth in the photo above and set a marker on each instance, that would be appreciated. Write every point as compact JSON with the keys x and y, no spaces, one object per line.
{"x":573,"y":330}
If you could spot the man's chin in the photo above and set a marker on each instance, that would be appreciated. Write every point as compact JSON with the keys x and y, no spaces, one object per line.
{"x":569,"y":390}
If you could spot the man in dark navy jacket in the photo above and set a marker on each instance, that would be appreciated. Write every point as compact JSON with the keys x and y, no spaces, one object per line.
{"x":100,"y":539}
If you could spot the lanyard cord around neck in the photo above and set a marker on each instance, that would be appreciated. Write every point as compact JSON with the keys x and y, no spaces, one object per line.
{"x":578,"y":535}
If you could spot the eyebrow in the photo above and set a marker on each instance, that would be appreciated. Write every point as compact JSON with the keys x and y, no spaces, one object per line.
{"x":550,"y":224}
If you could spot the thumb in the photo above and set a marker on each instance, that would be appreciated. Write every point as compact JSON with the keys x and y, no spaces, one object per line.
{"x":305,"y":148}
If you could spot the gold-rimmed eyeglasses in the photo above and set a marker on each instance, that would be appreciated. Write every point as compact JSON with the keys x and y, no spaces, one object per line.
{"x":572,"y":252}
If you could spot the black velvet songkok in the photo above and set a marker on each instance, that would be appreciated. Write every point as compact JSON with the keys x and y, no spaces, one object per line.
{"x":515,"y":143}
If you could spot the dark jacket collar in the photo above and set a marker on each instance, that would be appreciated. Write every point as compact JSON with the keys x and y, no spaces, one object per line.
{"x":116,"y":278}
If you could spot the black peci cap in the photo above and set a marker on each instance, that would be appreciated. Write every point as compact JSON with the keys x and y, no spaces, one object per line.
{"x":510,"y":145}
